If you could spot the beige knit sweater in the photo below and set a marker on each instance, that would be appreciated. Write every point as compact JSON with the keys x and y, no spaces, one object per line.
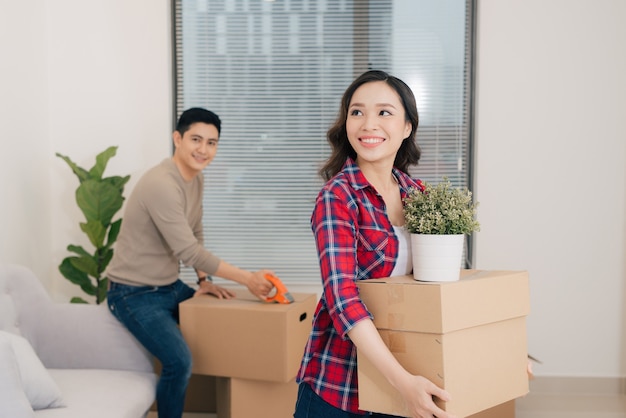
{"x":162,"y":224}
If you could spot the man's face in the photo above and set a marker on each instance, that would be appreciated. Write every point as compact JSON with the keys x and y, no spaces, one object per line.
{"x":195,"y":149}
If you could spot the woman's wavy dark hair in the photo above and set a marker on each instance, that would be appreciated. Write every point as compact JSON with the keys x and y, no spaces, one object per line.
{"x":409,"y":152}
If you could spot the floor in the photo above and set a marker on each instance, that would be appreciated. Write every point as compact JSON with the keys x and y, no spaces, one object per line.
{"x":571,"y":406}
{"x":544,"y":406}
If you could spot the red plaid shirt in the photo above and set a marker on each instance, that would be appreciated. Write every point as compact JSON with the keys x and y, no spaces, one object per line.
{"x":355,"y":241}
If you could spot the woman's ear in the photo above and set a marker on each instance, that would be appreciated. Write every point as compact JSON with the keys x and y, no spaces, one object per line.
{"x":407,"y":129}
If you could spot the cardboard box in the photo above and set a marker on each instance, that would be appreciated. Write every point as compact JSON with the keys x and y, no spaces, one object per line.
{"x":243,"y":398}
{"x":200,"y":396}
{"x":245,"y":337}
{"x":479,"y":297}
{"x":468,"y":337}
{"x":504,"y":410}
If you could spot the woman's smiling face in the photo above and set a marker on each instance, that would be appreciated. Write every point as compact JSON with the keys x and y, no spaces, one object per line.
{"x":376,"y":124}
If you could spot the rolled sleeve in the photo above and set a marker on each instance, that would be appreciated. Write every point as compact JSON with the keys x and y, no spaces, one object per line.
{"x":336,"y":241}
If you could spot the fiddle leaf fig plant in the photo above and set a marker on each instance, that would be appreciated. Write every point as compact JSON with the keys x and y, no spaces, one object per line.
{"x":99,"y":198}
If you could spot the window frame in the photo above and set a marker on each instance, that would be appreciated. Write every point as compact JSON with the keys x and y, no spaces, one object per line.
{"x":361,"y":45}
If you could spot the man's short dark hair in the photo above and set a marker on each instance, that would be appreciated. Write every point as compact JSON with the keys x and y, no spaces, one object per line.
{"x":195,"y":115}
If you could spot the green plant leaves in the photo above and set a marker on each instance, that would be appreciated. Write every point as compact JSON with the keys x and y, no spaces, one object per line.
{"x":103,"y":285}
{"x":81,"y":173}
{"x":117,"y":182}
{"x":105,"y":255}
{"x":99,"y":199}
{"x":87,"y":265}
{"x":440,"y":210}
{"x":114,"y":231}
{"x":102,"y":160}
{"x":78,"y":269}
{"x":95,"y":231}
{"x":78,"y":250}
{"x":76,"y":275}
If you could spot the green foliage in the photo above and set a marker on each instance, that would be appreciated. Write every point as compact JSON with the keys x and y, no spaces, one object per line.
{"x":99,"y":198}
{"x":440,"y":210}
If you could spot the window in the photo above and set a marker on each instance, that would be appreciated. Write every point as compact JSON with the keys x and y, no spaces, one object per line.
{"x":274,"y":71}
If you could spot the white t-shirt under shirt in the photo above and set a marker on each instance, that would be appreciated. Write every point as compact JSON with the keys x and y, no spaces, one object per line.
{"x":404,"y":263}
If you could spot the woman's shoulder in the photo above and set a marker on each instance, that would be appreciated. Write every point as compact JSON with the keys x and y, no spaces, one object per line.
{"x":338,"y":185}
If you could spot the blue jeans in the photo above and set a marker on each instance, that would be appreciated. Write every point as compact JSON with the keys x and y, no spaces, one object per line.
{"x":310,"y":405}
{"x":151,"y":314}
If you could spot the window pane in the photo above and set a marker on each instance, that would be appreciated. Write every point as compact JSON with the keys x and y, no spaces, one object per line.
{"x":275,"y":71}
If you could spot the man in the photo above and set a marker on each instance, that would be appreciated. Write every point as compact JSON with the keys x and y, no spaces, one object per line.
{"x":162,"y":227}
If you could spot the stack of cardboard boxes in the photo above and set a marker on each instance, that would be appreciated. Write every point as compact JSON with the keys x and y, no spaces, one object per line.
{"x":468,"y":337}
{"x":253,"y":347}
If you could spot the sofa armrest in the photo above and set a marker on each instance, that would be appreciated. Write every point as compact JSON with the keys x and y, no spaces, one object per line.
{"x":13,"y":400}
{"x":87,"y":336}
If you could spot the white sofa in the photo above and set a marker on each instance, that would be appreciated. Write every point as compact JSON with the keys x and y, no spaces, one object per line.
{"x":61,"y":360}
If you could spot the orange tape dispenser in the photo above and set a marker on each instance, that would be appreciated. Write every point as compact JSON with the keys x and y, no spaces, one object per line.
{"x":282,"y":295}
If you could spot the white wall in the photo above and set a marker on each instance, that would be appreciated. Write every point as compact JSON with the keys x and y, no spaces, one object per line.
{"x":80,"y":77}
{"x":550,"y":179}
{"x":24,"y":160}
{"x":110,"y":83}
{"x":77,"y":77}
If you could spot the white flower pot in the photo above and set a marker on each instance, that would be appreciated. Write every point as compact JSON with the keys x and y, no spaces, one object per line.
{"x":437,"y":258}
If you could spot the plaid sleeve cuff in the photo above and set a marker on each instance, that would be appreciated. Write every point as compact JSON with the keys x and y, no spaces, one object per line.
{"x":348,"y":318}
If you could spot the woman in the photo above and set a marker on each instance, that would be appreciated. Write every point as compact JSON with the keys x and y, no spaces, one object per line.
{"x":358,"y":226}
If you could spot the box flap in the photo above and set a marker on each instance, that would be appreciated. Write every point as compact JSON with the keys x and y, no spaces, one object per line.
{"x":479,"y":297}
{"x":245,"y":300}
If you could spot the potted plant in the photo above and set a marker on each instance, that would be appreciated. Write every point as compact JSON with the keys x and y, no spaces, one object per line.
{"x":99,"y":198}
{"x":438,"y":217}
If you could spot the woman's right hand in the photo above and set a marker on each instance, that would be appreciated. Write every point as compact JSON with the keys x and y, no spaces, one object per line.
{"x":418,"y":393}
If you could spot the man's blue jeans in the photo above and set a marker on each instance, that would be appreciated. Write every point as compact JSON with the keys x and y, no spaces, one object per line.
{"x":151,"y":314}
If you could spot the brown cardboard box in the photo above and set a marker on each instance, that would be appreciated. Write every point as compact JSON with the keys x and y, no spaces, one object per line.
{"x":468,"y":337}
{"x":504,"y":410}
{"x":200,"y":395}
{"x":245,"y":337}
{"x":243,"y":398}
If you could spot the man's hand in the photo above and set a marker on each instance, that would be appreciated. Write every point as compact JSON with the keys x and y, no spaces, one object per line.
{"x":258,"y":285}
{"x":255,"y":281}
{"x":208,"y":288}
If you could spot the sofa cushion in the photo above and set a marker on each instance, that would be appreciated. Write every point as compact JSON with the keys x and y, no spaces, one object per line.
{"x":102,"y":393}
{"x":14,"y":402}
{"x":8,"y":312}
{"x":39,"y":387}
